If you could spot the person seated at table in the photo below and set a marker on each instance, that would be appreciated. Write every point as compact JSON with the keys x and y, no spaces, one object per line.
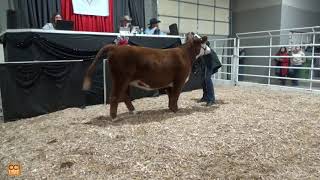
{"x":125,"y":22}
{"x":51,"y":26}
{"x":153,"y":28}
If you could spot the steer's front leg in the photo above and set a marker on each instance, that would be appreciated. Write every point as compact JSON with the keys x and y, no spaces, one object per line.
{"x":113,"y":107}
{"x":173,"y":105}
{"x":174,"y":96}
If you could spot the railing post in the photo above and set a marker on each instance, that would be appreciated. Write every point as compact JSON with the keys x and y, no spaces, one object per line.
{"x":312,"y":59}
{"x":233,"y":72}
{"x":270,"y":59}
{"x":236,"y":61}
{"x":104,"y":82}
{"x":1,"y":109}
{"x":214,"y":48}
{"x":301,"y":39}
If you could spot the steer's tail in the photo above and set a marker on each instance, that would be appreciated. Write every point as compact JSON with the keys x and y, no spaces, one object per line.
{"x":103,"y":53}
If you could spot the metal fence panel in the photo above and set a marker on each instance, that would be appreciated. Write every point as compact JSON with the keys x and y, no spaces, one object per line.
{"x":261,"y":48}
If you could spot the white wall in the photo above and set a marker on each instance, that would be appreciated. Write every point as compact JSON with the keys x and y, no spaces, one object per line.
{"x":297,"y":13}
{"x":309,"y":5}
{"x":210,"y":17}
{"x":1,"y":54}
{"x":3,"y":18}
{"x":245,"y":5}
{"x":150,"y":10}
{"x":256,"y":15}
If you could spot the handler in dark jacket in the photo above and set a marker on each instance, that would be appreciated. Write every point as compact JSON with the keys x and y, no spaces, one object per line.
{"x":210,"y":65}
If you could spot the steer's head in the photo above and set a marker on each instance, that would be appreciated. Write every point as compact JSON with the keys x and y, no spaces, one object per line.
{"x":198,"y":44}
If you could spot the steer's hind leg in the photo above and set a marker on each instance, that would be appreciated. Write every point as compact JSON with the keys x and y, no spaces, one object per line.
{"x":174,"y":96}
{"x":117,"y":93}
{"x":169,"y":93}
{"x":114,"y":98}
{"x":128,"y":102}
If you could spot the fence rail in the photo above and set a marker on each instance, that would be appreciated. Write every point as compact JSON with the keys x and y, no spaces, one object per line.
{"x":260,"y":55}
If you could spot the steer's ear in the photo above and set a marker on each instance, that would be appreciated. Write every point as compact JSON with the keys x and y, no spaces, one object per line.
{"x":204,"y":39}
{"x":189,"y":37}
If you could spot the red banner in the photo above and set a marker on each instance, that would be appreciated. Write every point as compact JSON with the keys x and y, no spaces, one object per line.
{"x":88,"y":22}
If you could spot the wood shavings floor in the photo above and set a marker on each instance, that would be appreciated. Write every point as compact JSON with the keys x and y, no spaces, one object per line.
{"x":251,"y":133}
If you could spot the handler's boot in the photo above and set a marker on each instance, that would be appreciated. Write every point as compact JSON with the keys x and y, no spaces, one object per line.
{"x":201,"y":100}
{"x":210,"y":103}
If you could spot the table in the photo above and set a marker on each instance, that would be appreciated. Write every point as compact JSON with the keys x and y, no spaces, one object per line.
{"x":43,"y":45}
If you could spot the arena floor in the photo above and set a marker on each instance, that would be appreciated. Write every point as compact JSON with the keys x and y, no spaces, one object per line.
{"x":252,"y":133}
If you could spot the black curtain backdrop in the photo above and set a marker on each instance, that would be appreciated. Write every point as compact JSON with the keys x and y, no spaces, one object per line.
{"x":33,"y":89}
{"x":120,"y":8}
{"x":35,"y":13}
{"x":136,"y":9}
{"x":133,"y":8}
{"x":30,"y":46}
{"x":42,"y":46}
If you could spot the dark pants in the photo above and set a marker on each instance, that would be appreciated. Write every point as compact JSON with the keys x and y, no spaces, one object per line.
{"x":207,"y":86}
{"x":295,"y":74}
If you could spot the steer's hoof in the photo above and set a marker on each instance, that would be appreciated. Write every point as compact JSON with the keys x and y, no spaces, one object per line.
{"x":113,"y":116}
{"x":174,"y":110}
{"x":115,"y":119}
{"x":133,"y":112}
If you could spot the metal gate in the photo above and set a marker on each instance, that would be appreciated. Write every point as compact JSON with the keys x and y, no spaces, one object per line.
{"x":258,"y":63}
{"x":249,"y":59}
{"x":226,"y":51}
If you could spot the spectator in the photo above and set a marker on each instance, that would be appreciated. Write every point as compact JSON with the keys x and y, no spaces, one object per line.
{"x":283,"y":62}
{"x":297,"y":61}
{"x":242,"y":52}
{"x":154,"y":27}
{"x":52,"y":25}
{"x":125,"y":22}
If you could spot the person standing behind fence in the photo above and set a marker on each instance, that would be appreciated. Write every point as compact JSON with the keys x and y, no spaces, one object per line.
{"x":297,"y":61}
{"x":283,"y":62}
{"x":242,"y":52}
